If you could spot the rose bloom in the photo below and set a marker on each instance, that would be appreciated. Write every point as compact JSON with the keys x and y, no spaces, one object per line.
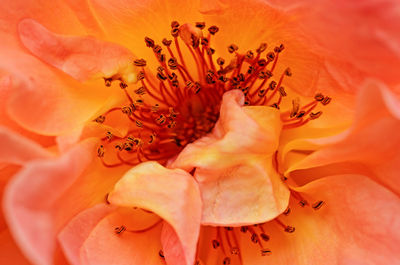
{"x":206,"y":132}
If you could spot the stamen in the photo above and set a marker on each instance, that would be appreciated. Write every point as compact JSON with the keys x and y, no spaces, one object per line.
{"x":317,"y":205}
{"x":287,"y":228}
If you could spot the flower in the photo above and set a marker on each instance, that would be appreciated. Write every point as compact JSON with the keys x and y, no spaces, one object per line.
{"x":55,"y":204}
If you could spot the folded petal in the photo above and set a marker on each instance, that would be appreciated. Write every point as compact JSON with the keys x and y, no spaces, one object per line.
{"x":104,"y":246}
{"x":74,"y":234}
{"x":234,"y":165}
{"x":80,"y":57}
{"x":173,"y":194}
{"x":371,"y":140}
{"x":16,"y":149}
{"x":45,"y":194}
{"x":358,"y":224}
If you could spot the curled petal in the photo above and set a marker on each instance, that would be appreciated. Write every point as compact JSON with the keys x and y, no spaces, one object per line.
{"x":172,"y":194}
{"x":32,"y":202}
{"x":370,"y":142}
{"x":104,"y":246}
{"x":234,"y":159}
{"x":78,"y":230}
{"x":16,"y":149}
{"x":80,"y":57}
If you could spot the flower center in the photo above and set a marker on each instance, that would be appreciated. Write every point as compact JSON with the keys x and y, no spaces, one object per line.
{"x":175,"y":106}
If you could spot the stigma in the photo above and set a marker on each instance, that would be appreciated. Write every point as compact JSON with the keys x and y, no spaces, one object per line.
{"x":179,"y":101}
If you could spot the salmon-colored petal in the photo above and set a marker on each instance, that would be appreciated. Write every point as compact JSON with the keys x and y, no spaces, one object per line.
{"x":78,"y":229}
{"x":45,"y":100}
{"x":104,"y":246}
{"x":173,"y":194}
{"x":232,"y":160}
{"x":32,"y":205}
{"x":371,"y":141}
{"x":80,"y":57}
{"x":342,"y":25}
{"x":6,"y":121}
{"x":16,"y":149}
{"x":358,"y":224}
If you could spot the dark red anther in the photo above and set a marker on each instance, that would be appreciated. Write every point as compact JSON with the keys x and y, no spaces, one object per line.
{"x":149,"y":42}
{"x":264,"y":237}
{"x":289,"y":229}
{"x":272,"y":85}
{"x":326,"y":101}
{"x":227,"y":261}
{"x":174,"y":24}
{"x":215,"y":243}
{"x":200,"y":25}
{"x":232,"y":48}
{"x":249,"y":55}
{"x":279,"y":48}
{"x":262,"y":48}
{"x":319,"y":97}
{"x":175,"y":32}
{"x":166,"y":42}
{"x":204,"y":42}
{"x":287,"y":211}
{"x":213,"y":30}
{"x":262,"y":62}
{"x":266,"y":252}
{"x":317,"y":205}
{"x":107,"y":81}
{"x":254,"y":238}
{"x":270,"y":56}
{"x":210,"y":51}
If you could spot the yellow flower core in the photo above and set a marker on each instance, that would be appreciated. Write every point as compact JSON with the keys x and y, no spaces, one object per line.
{"x":172,"y":108}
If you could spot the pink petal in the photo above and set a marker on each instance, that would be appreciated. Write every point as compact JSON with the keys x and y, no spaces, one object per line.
{"x":32,"y":82}
{"x":173,"y":195}
{"x":370,"y":142}
{"x":343,"y":25}
{"x":16,"y":149}
{"x":5,"y":120}
{"x":79,"y":228}
{"x":233,"y":160}
{"x":104,"y":246}
{"x":32,"y":203}
{"x":80,"y":57}
{"x":359,"y":224}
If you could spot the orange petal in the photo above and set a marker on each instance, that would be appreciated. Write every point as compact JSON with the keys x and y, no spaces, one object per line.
{"x":104,"y":246}
{"x":234,"y":165}
{"x":179,"y":204}
{"x":358,"y":223}
{"x":371,"y":140}
{"x":9,"y":252}
{"x":250,"y":23}
{"x":16,"y":149}
{"x":80,"y":57}
{"x":38,"y":97}
{"x":78,"y":229}
{"x":34,"y":206}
